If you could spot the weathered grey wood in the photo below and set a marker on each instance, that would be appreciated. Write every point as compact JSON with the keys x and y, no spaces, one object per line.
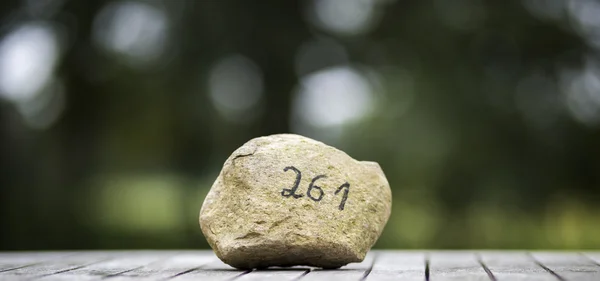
{"x":456,"y":265}
{"x":57,"y":266}
{"x":118,"y":264}
{"x":514,"y":265}
{"x":275,"y":274}
{"x":16,"y":260}
{"x":172,"y":267}
{"x":354,"y":271}
{"x":379,"y":265}
{"x":594,"y":257}
{"x":569,"y":266}
{"x":398,"y":265}
{"x":169,"y":268}
{"x":214,"y":270}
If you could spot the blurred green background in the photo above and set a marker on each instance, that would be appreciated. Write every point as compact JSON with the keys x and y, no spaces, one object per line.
{"x":116,"y":116}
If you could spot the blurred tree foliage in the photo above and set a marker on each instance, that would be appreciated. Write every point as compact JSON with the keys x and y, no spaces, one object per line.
{"x":472,"y":121}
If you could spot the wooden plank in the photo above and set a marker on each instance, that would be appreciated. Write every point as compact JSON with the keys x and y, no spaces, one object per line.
{"x":594,"y":257}
{"x":378,"y":265}
{"x":56,"y":266}
{"x":215,"y":270}
{"x":568,"y":266}
{"x":118,"y":264}
{"x":353,"y":271}
{"x":398,"y":265}
{"x":511,"y":265}
{"x":16,"y":260}
{"x":455,"y":265}
{"x":169,"y":268}
{"x":291,"y":273}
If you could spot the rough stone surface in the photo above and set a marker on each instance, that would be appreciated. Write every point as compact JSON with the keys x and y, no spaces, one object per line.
{"x":252,"y":219}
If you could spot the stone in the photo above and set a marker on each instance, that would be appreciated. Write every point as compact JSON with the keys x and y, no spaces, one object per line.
{"x":285,"y":200}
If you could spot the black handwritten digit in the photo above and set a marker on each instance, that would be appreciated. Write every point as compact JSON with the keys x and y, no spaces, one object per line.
{"x":291,"y":192}
{"x":287,"y":192}
{"x":345,"y":196}
{"x":312,"y":186}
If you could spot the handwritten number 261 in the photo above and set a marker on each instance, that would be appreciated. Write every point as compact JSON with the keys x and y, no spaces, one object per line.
{"x":312,"y":188}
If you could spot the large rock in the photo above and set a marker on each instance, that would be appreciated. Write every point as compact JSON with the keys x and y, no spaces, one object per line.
{"x":285,"y":200}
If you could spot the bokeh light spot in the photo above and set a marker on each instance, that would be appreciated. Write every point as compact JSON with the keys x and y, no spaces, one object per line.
{"x":133,"y":29}
{"x":28,"y":56}
{"x":346,"y":17}
{"x":236,"y":87}
{"x":583,"y":95}
{"x":584,"y":15}
{"x":333,"y":97}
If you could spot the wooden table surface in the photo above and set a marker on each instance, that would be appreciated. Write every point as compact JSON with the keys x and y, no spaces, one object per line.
{"x":379,"y":265}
